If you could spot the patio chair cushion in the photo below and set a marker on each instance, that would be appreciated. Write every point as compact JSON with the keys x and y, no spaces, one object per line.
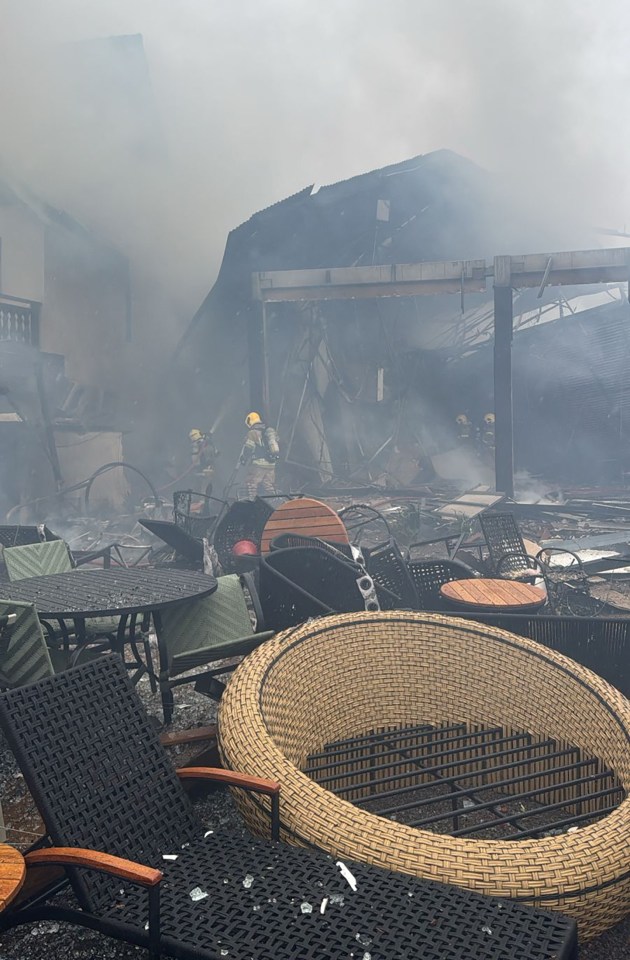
{"x":209,"y":629}
{"x":24,"y":655}
{"x":37,"y":559}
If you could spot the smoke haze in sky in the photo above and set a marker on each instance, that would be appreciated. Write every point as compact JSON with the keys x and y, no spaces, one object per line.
{"x":255,"y":99}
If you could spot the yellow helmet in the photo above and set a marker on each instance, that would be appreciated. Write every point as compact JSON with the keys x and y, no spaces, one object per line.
{"x":489,"y":418}
{"x":195,"y":435}
{"x":252,"y":418}
{"x":462,"y":418}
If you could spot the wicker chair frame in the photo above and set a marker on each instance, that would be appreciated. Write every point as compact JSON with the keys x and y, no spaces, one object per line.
{"x":315,"y":684}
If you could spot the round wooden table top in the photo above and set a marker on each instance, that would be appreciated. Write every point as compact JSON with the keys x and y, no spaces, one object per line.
{"x":500,"y":595}
{"x":12,"y":873}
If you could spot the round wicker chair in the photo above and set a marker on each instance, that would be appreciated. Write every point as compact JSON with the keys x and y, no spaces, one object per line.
{"x":344,"y":675}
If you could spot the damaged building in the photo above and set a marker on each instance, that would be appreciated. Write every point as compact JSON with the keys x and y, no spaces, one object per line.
{"x":64,"y":319}
{"x":368,"y":390}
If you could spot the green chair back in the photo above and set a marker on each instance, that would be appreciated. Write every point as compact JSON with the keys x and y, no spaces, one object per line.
{"x":37,"y":559}
{"x":213,"y":623}
{"x":24,"y":655}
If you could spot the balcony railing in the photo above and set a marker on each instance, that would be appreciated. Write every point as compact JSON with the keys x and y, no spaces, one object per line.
{"x":19,"y":319}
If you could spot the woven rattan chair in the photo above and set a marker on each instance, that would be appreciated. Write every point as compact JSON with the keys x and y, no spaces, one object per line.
{"x":143,"y":871}
{"x":197,"y":633}
{"x":324,"y":688}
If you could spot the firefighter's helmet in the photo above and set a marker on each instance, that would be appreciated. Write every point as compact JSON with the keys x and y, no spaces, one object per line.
{"x":195,"y":435}
{"x":461,"y":419}
{"x":489,"y":419}
{"x":252,"y":418}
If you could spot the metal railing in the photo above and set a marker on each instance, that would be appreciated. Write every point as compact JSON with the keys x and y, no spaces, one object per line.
{"x":19,"y":319}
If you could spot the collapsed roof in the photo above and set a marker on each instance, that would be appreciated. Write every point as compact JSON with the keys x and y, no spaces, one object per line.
{"x":350,"y":378}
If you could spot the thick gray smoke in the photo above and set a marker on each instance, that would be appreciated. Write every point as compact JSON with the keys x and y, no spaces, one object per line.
{"x":244,"y":102}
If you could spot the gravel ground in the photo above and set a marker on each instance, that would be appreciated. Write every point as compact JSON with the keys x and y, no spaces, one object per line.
{"x":51,"y":941}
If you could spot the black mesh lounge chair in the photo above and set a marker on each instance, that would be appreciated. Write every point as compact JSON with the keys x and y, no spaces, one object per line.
{"x":302,"y":582}
{"x":104,"y":783}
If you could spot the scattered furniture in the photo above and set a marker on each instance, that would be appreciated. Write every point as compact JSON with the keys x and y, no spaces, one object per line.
{"x":243,"y":520}
{"x":415,"y":583}
{"x":12,"y":874}
{"x":302,"y":582}
{"x":18,"y":534}
{"x":41,"y":559}
{"x":331,"y":683}
{"x":176,"y":537}
{"x":507,"y":596}
{"x":508,"y":555}
{"x":306,"y":516}
{"x":199,"y":632}
{"x":127,"y":595}
{"x":600,"y":643}
{"x":24,"y":653}
{"x":157,"y":881}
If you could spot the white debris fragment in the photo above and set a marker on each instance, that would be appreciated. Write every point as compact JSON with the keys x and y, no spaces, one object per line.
{"x":198,"y":894}
{"x":337,"y":898}
{"x":363,"y":940}
{"x":224,"y":952}
{"x":573,"y":829}
{"x":467,"y":803}
{"x":306,"y":907}
{"x":367,"y":956}
{"x":208,"y":833}
{"x":345,"y":873}
{"x":247,"y":882}
{"x":169,"y":856}
{"x":487,"y":930}
{"x":323,"y":905}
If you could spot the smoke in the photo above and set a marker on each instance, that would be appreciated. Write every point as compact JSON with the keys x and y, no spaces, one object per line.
{"x":251,"y":100}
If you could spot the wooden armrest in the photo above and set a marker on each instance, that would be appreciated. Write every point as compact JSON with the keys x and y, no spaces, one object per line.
{"x":94,"y":860}
{"x":188,"y":736}
{"x":258,"y":784}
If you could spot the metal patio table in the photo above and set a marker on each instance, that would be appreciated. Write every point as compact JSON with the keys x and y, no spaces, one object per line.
{"x":79,"y":595}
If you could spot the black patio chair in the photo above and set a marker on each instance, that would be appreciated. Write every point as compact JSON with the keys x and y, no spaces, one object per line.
{"x":243,"y":520}
{"x":298,"y":583}
{"x":429,"y":575}
{"x":508,"y":556}
{"x":415,"y":582}
{"x":143,"y":871}
{"x":389,"y":569}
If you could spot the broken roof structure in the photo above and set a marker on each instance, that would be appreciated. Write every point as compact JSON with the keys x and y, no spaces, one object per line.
{"x":365,"y":391}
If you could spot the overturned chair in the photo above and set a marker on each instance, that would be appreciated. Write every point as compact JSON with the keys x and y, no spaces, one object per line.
{"x":143,"y":870}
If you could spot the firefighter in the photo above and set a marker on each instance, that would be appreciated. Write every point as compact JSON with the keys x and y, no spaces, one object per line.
{"x":465,"y":429}
{"x":260,"y":451}
{"x":203,"y":454}
{"x":487,"y":433}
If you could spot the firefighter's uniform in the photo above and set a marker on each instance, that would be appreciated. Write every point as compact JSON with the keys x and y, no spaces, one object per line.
{"x":261,"y":476}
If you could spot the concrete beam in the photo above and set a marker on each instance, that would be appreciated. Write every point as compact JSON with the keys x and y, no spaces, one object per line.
{"x":385,"y":280}
{"x":609,"y":265}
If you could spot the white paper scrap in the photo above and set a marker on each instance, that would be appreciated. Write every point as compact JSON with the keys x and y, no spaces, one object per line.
{"x":345,"y":873}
